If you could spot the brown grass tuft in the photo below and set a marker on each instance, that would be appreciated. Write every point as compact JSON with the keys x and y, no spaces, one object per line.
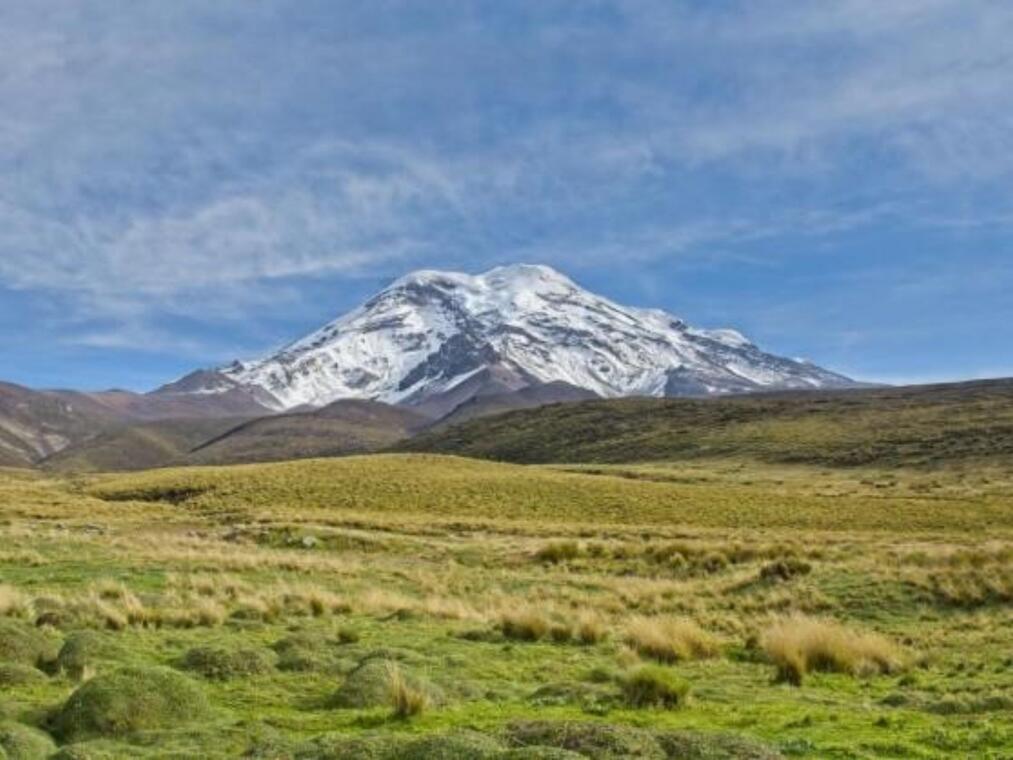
{"x":670,"y":639}
{"x":800,"y":645}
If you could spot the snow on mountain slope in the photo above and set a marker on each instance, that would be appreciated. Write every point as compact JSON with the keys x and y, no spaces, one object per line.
{"x":430,"y":331}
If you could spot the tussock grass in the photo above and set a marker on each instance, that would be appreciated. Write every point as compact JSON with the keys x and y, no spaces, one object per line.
{"x":670,"y":639}
{"x":655,"y":686}
{"x":799,"y":645}
{"x":406,"y":701}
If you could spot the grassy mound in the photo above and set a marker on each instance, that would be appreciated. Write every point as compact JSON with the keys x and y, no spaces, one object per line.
{"x":84,"y":649}
{"x":466,"y":745}
{"x":372,"y":684}
{"x":304,"y":653}
{"x":344,"y":747}
{"x":221,"y":664}
{"x":23,"y":743}
{"x":13,"y":674}
{"x":132,"y":699}
{"x":539,"y":753}
{"x":24,"y":644}
{"x":596,"y":740}
{"x":655,"y":686}
{"x":691,"y":745}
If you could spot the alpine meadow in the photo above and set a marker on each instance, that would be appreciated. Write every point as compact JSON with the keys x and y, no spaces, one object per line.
{"x":528,"y":380}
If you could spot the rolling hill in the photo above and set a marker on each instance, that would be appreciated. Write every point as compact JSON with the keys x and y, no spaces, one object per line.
{"x":911,"y":426}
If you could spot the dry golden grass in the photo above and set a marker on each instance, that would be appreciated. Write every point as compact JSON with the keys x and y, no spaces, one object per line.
{"x":406,"y":700}
{"x":670,"y":639}
{"x":14,"y":603}
{"x":799,"y":645}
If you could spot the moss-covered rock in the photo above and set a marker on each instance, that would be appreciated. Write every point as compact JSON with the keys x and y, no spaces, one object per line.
{"x":21,"y":742}
{"x":14,"y":674}
{"x":222,"y":664}
{"x":129,"y":700}
{"x":25,"y":644}
{"x":595,"y":740}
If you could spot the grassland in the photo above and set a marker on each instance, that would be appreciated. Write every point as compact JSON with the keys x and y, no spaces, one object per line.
{"x":405,"y":606}
{"x":926,"y":427}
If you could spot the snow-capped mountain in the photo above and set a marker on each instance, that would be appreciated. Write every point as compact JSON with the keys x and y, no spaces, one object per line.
{"x":433,"y":335}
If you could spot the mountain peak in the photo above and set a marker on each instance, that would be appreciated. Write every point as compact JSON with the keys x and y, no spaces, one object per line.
{"x":436,"y":335}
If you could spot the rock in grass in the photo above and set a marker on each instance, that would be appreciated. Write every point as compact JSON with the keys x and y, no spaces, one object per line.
{"x":369,"y":685}
{"x":693,"y":745}
{"x":20,"y":742}
{"x":84,"y":649}
{"x":596,"y":740}
{"x":14,"y":674}
{"x":221,"y":664}
{"x":25,"y":644}
{"x":129,"y":700}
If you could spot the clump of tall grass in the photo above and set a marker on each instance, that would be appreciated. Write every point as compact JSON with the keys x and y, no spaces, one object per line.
{"x":406,"y":700}
{"x":654,"y":686}
{"x":800,"y":645}
{"x":670,"y":639}
{"x":532,"y":624}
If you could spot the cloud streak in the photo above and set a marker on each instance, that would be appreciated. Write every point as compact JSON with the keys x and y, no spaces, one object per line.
{"x":158,"y":159}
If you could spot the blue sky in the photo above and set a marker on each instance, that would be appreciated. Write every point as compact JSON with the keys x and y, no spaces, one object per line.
{"x":186,"y":182}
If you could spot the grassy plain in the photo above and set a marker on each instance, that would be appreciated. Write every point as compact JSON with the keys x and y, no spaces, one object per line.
{"x":414,"y":606}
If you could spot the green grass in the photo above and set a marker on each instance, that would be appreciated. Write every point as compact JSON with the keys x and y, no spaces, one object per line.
{"x":277,"y":599}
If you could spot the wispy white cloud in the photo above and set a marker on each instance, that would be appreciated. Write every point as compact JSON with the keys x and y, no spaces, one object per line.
{"x":194,"y":159}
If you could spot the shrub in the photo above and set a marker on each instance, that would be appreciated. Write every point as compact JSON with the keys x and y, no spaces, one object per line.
{"x":225,"y":664}
{"x":13,"y":674}
{"x":129,"y":700}
{"x":655,"y":686}
{"x":670,"y":639}
{"x":25,"y":644}
{"x":20,"y":742}
{"x":801,"y":645}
